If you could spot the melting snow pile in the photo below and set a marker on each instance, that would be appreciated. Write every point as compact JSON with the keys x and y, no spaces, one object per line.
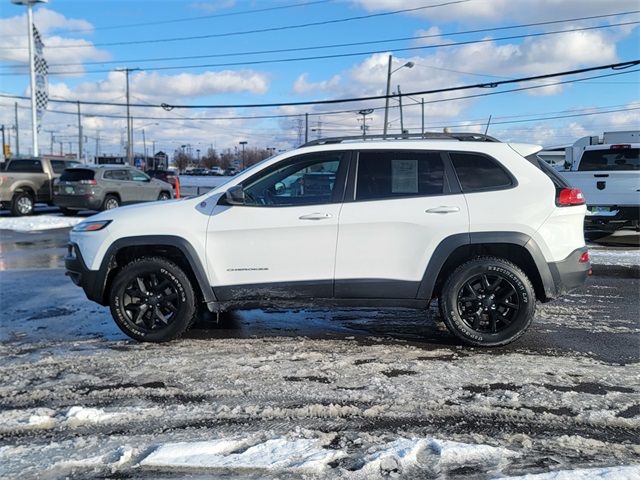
{"x":611,"y":473}
{"x":625,"y":258}
{"x":36,"y":223}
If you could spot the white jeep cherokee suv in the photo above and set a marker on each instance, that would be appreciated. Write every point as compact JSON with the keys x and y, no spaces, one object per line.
{"x":394,"y":222}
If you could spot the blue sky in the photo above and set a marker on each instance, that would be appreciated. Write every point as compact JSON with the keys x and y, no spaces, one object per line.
{"x":69,"y":23}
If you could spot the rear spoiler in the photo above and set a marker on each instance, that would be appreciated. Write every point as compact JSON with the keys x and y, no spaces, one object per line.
{"x":525,"y":149}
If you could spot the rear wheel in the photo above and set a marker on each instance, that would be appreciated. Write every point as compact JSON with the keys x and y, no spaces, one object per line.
{"x":164,"y":196}
{"x":152,"y":300}
{"x":110,"y":202}
{"x":22,"y":204}
{"x":487,"y":302}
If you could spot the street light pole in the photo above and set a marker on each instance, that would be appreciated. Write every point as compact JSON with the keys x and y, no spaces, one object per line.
{"x":243,"y":143}
{"x":386,"y":100}
{"x":80,"y":137}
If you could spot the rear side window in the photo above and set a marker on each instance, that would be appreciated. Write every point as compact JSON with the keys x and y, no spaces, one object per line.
{"x":397,"y":174}
{"x":76,"y":175}
{"x":58,"y":166}
{"x":479,"y":172}
{"x":618,"y":159}
{"x":25,"y":166}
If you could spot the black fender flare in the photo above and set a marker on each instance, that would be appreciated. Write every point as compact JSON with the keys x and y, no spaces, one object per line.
{"x":448,"y":245}
{"x":155,"y":240}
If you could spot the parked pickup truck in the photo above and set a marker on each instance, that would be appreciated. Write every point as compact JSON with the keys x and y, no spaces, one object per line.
{"x":26,"y":181}
{"x":608,"y":173}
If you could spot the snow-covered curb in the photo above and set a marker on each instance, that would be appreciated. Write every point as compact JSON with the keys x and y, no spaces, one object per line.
{"x":631,"y":472}
{"x":38,"y":222}
{"x":626,"y":258}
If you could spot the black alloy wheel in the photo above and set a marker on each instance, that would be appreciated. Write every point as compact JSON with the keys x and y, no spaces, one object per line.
{"x":487,"y":302}
{"x":152,"y":300}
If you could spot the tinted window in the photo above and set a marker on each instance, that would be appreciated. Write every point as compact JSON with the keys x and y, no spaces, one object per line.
{"x":307,"y":180}
{"x":26,"y":166}
{"x":479,"y":172}
{"x":616,"y":159}
{"x":76,"y":174}
{"x":58,"y":166}
{"x":399,"y":174}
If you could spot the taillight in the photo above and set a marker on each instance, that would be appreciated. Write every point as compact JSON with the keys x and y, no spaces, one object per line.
{"x":570,"y":196}
{"x":88,"y":182}
{"x":584,"y":258}
{"x":620,"y":146}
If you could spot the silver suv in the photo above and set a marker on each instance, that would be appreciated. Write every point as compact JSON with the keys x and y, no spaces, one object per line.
{"x":104,"y":187}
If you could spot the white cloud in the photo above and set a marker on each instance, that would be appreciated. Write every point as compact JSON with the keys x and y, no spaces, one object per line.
{"x":14,"y":47}
{"x":211,"y":7}
{"x":301,"y":85}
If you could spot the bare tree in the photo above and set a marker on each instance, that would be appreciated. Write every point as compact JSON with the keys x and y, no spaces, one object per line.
{"x":182,"y":160}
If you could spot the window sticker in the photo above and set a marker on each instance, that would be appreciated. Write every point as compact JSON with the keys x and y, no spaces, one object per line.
{"x":404,"y":176}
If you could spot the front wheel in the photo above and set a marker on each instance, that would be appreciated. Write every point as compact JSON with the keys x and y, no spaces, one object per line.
{"x":152,"y":300}
{"x":487,"y":302}
{"x":22,"y":204}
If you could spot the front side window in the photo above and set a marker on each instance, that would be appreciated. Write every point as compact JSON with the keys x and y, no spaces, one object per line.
{"x":479,"y":172}
{"x":138,"y":176}
{"x":396,"y":174}
{"x":308,"y":180}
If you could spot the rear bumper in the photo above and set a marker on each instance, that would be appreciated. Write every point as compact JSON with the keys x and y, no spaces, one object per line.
{"x":80,"y":202}
{"x":91,"y":281}
{"x":569,"y":273}
{"x":616,"y":219}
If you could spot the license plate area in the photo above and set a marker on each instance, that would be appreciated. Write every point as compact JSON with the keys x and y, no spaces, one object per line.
{"x":602,"y":211}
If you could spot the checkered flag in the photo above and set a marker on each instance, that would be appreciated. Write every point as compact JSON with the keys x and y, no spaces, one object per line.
{"x":41,"y":70}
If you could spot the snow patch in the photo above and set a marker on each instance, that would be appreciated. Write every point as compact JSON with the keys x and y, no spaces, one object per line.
{"x":36,"y":223}
{"x":302,"y":455}
{"x":626,"y":258}
{"x":82,"y":415}
{"x":631,"y":472}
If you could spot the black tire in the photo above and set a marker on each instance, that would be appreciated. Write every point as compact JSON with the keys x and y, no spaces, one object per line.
{"x":159,"y":309}
{"x":164,"y":196}
{"x":67,"y":212}
{"x":22,"y":204}
{"x":110,"y":202}
{"x":487,"y":302}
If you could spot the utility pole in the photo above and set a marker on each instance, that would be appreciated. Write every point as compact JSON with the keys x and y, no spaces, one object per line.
{"x":401,"y":116}
{"x":386,"y":99}
{"x":61,"y":148}
{"x":306,"y":127}
{"x":15,"y":106}
{"x":95,"y":159}
{"x":144,"y":145}
{"x":80,"y":138}
{"x":422,"y":102}
{"x":50,"y":132}
{"x":319,"y":128}
{"x":3,"y":151}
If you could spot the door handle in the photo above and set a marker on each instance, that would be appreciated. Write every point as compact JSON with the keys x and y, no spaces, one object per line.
{"x":315,"y":216}
{"x":443,"y":209}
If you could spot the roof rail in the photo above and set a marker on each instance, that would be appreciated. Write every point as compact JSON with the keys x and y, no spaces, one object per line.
{"x":460,"y":136}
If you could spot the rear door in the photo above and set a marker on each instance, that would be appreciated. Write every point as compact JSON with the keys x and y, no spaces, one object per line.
{"x":402,"y":204}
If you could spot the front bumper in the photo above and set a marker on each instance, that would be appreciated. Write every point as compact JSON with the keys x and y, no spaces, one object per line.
{"x":91,"y":281}
{"x":570,"y":273}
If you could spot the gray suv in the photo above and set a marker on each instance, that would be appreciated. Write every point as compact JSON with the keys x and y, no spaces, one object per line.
{"x":104,"y":187}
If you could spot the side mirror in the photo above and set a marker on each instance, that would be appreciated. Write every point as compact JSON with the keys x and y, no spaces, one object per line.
{"x":235,"y":195}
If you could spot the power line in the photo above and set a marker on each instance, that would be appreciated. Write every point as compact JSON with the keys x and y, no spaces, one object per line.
{"x":337,"y":45}
{"x":189,"y":19}
{"x":350,"y":54}
{"x":321,"y":113}
{"x":259,"y":30}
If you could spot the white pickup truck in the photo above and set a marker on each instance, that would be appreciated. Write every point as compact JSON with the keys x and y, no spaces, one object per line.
{"x":608,"y":173}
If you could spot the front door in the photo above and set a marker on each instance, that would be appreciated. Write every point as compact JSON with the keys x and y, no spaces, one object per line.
{"x":282,"y":242}
{"x":403,"y":205}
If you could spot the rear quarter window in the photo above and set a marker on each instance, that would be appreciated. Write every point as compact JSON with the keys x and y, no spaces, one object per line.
{"x":619,"y":159}
{"x":76,"y":175}
{"x":477,"y":172}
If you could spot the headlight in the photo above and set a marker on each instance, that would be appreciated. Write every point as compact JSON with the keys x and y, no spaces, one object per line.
{"x":91,"y":226}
